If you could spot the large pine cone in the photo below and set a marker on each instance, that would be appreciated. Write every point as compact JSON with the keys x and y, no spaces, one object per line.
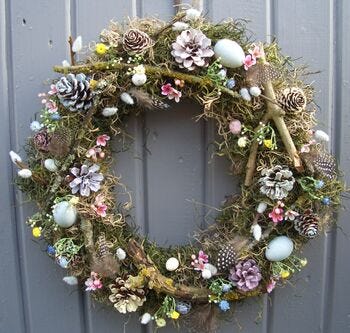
{"x":307,"y":224}
{"x":124,"y":297}
{"x":42,"y":140}
{"x":74,"y":92}
{"x":277,"y":182}
{"x":136,"y":41}
{"x":292,"y":99}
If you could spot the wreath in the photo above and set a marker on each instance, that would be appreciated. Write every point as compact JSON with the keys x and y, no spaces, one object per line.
{"x":264,"y":115}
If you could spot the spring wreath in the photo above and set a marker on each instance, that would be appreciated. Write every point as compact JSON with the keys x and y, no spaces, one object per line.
{"x":264,"y":115}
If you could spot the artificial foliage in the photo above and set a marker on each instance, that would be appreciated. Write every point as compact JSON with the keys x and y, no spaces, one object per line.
{"x":264,"y":113}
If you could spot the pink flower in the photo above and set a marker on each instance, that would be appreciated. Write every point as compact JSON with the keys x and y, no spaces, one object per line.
{"x":256,"y":52}
{"x":249,"y":61}
{"x":51,"y":105}
{"x":53,"y":90}
{"x":172,"y":93}
{"x":167,"y":89}
{"x":93,"y":282}
{"x":199,"y":263}
{"x":41,"y":95}
{"x":291,"y":215}
{"x":271,"y":286}
{"x":102,"y":140}
{"x":100,"y":207}
{"x":94,"y":153}
{"x":277,"y":213}
{"x":306,"y":147}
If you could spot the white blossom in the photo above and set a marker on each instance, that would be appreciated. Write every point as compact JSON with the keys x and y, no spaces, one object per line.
{"x":261,"y":207}
{"x":70,"y":280}
{"x":65,"y":63}
{"x":255,"y":91}
{"x":192,"y":14}
{"x":180,"y":26}
{"x":256,"y":231}
{"x":146,"y":318}
{"x":121,"y":254}
{"x":245,"y":94}
{"x":35,"y":126}
{"x":321,"y":136}
{"x":108,"y":112}
{"x":77,"y":45}
{"x":15,"y":157}
{"x":126,"y":98}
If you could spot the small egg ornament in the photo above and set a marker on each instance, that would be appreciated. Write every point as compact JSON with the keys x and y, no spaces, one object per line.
{"x":109,"y":112}
{"x":206,"y":274}
{"x":126,"y":98}
{"x":213,"y":270}
{"x":139,"y":79}
{"x":172,"y":264}
{"x":230,"y":53}
{"x":120,"y":253}
{"x":50,"y":164}
{"x":255,"y":91}
{"x":145,"y":318}
{"x":279,"y":248}
{"x":64,"y":214}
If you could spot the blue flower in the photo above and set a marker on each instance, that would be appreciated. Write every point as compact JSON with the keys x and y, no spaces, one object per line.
{"x":226,"y":287}
{"x":50,"y":250}
{"x":326,"y":201}
{"x":319,"y":184}
{"x":230,"y":84}
{"x":55,"y":116}
{"x":224,"y":305}
{"x":183,"y":307}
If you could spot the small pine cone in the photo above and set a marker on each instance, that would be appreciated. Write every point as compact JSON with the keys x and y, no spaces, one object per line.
{"x":307,"y":224}
{"x":42,"y":140}
{"x":74,"y":92}
{"x":276,"y":182}
{"x":292,"y":99}
{"x":136,"y":41}
{"x":325,"y":164}
{"x":226,"y":258}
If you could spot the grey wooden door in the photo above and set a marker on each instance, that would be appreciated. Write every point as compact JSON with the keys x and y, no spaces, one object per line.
{"x":175,"y":173}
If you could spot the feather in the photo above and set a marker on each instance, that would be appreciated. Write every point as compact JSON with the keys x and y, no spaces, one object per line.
{"x":60,"y":141}
{"x":145,"y":100}
{"x":259,"y":74}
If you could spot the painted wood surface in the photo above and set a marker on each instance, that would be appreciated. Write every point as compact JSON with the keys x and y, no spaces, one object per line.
{"x":168,"y":169}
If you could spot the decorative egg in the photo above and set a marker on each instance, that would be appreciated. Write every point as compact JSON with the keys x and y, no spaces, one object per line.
{"x":255,"y":91}
{"x":279,"y":248}
{"x":261,"y":207}
{"x":172,"y":264}
{"x":235,"y":126}
{"x":126,"y":98}
{"x":109,"y":112}
{"x":245,"y":94}
{"x":139,"y":79}
{"x":206,"y":274}
{"x":145,"y":318}
{"x":24,"y":173}
{"x":256,"y":231}
{"x":121,"y":254}
{"x":230,"y":53}
{"x":183,"y":307}
{"x":64,"y":214}
{"x":213,"y":270}
{"x":50,"y":164}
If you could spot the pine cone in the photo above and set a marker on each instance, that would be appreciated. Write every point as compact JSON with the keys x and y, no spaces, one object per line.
{"x":136,"y":41}
{"x":192,"y":49}
{"x":124,"y":297}
{"x":226,"y":258}
{"x":42,"y":140}
{"x":292,"y":99}
{"x":74,"y":92}
{"x":307,"y":224}
{"x":277,"y":182}
{"x":246,"y":275}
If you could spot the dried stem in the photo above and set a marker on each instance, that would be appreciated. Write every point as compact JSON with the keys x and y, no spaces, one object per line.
{"x":71,"y":52}
{"x":274,"y":113}
{"x":87,"y":229}
{"x":157,"y":71}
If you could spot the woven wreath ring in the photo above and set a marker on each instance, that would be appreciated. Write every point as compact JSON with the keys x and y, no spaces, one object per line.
{"x":264,"y":115}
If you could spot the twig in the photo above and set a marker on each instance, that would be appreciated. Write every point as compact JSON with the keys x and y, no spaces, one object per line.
{"x":113,"y":66}
{"x":274,"y":113}
{"x":71,"y":52}
{"x":87,"y":229}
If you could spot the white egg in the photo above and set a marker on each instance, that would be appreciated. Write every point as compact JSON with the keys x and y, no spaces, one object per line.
{"x":172,"y":264}
{"x":261,"y":207}
{"x":50,"y":165}
{"x":139,"y":79}
{"x":213,"y":270}
{"x":279,"y":248}
{"x":24,"y":173}
{"x":230,"y":53}
{"x":121,"y":254}
{"x":206,"y":274}
{"x":146,"y":318}
{"x":64,"y":214}
{"x":256,"y":231}
{"x":245,"y":94}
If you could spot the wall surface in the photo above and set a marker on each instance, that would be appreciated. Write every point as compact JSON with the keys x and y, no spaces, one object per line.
{"x":176,"y":169}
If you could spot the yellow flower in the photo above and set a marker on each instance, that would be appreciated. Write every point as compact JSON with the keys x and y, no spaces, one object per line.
{"x":174,"y":315}
{"x":303,"y":262}
{"x":284,"y":274}
{"x":160,"y":322}
{"x":169,"y":282}
{"x":74,"y":200}
{"x":93,"y":84}
{"x":268,"y":143}
{"x":101,"y":48}
{"x":36,"y":232}
{"x":140,"y":69}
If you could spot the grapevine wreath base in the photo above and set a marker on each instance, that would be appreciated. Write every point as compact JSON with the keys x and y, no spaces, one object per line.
{"x":264,"y":115}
